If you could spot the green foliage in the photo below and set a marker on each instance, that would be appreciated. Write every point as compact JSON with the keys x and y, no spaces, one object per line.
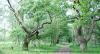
{"x":36,"y":11}
{"x":87,"y":9}
{"x":17,"y":34}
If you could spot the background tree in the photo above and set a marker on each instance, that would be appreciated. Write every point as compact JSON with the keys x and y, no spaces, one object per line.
{"x":85,"y":20}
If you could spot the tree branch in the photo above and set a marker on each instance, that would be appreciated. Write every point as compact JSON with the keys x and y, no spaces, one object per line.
{"x":38,"y":28}
{"x":16,"y":14}
{"x":91,"y":29}
{"x":46,"y":22}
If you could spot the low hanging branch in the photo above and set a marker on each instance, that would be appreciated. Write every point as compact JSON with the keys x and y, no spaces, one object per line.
{"x":16,"y":14}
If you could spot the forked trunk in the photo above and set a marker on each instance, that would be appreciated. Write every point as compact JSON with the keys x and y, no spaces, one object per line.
{"x":82,"y":41}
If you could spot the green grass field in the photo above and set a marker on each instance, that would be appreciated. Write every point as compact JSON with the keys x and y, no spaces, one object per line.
{"x":90,"y":50}
{"x":42,"y":49}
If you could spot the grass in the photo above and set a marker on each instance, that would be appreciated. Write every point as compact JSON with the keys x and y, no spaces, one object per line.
{"x":90,"y":50}
{"x":42,"y":49}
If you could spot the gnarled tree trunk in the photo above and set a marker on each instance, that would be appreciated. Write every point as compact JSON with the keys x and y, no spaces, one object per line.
{"x":83,"y":46}
{"x":82,"y":43}
{"x":30,"y":33}
{"x":26,"y":43}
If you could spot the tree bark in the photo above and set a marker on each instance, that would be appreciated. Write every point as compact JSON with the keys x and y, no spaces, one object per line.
{"x":52,"y":40}
{"x":26,"y":43}
{"x":57,"y":39}
{"x":83,"y":44}
{"x":82,"y":41}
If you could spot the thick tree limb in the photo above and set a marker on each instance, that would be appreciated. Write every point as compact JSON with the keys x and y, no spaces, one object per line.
{"x":16,"y":14}
{"x":91,"y":30}
{"x":46,"y":22}
{"x":42,"y":26}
